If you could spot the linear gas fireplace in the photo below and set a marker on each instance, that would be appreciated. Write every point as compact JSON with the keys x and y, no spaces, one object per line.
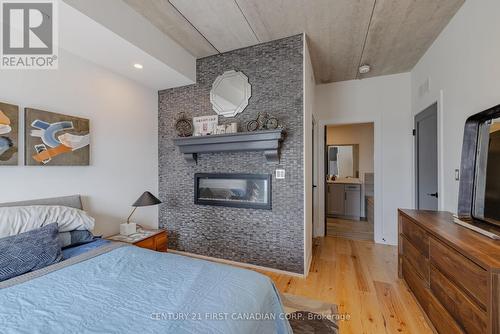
{"x":234,"y":190}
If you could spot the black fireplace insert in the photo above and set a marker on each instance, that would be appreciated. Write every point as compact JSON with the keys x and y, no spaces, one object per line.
{"x":233,"y":190}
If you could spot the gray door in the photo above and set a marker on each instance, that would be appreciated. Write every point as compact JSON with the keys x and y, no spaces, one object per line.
{"x":426,"y":159}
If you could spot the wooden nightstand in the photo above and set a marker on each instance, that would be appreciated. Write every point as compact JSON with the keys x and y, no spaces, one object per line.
{"x":151,"y":239}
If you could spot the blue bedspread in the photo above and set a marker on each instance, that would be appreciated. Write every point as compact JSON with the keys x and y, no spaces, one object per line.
{"x":134,"y":290}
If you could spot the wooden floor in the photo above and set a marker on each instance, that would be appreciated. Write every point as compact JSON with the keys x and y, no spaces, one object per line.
{"x":360,"y":277}
{"x":350,"y":229}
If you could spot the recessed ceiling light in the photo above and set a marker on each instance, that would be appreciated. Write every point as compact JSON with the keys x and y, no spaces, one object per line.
{"x":363,"y":69}
{"x":138,"y":66}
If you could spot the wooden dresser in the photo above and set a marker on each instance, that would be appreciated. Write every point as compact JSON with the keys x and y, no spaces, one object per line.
{"x":453,"y":272}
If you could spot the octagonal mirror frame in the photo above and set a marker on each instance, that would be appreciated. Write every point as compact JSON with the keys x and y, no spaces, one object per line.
{"x":215,"y":98}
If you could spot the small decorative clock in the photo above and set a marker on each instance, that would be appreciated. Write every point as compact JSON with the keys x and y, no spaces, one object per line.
{"x":183,"y":126}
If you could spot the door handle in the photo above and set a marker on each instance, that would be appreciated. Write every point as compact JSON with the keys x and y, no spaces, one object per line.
{"x":315,"y":186}
{"x":433,"y":195}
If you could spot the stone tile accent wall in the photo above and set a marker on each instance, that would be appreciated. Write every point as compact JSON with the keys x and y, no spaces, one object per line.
{"x":261,"y":237}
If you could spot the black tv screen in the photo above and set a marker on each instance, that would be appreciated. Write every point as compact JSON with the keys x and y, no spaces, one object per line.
{"x":487,"y":192}
{"x":492,"y":191}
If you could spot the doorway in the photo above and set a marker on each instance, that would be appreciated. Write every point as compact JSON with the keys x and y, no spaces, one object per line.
{"x":349,"y":183}
{"x":426,"y":159}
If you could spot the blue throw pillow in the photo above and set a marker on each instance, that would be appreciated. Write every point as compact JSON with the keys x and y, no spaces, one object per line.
{"x":29,"y":251}
{"x":75,"y":238}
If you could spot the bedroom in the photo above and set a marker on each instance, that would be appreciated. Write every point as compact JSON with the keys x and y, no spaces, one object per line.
{"x":195,"y":130}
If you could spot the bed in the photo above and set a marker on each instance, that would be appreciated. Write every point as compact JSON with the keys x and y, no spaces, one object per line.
{"x":109,"y":287}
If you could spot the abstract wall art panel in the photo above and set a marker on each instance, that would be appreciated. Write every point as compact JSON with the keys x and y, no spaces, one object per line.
{"x":9,"y":132}
{"x":56,"y":140}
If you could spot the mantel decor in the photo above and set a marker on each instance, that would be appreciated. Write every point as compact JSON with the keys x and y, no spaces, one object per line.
{"x":183,"y":126}
{"x":268,"y":141}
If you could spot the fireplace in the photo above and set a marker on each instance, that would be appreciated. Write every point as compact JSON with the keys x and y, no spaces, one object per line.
{"x":233,"y":190}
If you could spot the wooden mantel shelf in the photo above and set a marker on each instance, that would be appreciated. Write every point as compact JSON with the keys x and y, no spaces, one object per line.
{"x":267,"y":141}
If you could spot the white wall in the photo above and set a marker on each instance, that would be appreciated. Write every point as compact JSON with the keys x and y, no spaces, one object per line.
{"x":386,"y":102}
{"x":124,"y":144}
{"x":309,"y":207}
{"x":361,"y":134}
{"x":464,"y":72}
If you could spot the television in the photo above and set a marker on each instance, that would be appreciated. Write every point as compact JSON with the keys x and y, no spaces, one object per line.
{"x":479,"y":196}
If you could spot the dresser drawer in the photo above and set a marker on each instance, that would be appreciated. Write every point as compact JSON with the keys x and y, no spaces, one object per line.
{"x":416,"y":259}
{"x":462,"y":271}
{"x":416,"y":235}
{"x":440,"y":318}
{"x":415,"y":283}
{"x":463,"y":309}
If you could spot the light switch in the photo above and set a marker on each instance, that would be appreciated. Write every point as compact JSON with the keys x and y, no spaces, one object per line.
{"x":280,"y":173}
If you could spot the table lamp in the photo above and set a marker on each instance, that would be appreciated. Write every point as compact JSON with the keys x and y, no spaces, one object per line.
{"x":146,"y":199}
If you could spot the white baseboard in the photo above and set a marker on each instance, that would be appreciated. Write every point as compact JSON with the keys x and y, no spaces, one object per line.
{"x":236,"y":263}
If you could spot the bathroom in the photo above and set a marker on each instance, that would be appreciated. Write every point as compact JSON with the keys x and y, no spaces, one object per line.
{"x":350,"y":181}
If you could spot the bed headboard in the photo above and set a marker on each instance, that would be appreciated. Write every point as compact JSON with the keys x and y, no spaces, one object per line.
{"x":74,"y":201}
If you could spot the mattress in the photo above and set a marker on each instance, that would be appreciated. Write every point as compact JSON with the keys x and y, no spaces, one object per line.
{"x":127,"y":289}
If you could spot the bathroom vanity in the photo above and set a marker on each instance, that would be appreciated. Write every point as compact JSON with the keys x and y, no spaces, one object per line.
{"x":344,"y":198}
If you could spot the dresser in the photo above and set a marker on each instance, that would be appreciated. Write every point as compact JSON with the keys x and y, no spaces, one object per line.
{"x":453,"y":272}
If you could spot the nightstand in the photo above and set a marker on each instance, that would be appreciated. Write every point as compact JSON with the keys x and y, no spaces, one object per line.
{"x":151,"y":239}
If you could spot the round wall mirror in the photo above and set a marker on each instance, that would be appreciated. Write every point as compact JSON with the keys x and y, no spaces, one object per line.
{"x":230,"y":93}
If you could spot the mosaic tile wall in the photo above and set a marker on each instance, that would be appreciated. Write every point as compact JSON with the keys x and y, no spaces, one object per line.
{"x":271,"y":238}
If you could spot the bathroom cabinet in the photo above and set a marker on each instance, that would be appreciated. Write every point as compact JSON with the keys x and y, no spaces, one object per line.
{"x":344,"y":200}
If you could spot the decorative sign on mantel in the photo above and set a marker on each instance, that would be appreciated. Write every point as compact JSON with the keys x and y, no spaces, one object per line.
{"x":205,"y":125}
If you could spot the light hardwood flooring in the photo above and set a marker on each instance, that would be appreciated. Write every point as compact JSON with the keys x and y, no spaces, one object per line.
{"x":361,"y":278}
{"x":350,"y":229}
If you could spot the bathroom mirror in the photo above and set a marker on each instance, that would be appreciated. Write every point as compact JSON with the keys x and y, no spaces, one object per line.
{"x":343,"y":160}
{"x":230,"y":93}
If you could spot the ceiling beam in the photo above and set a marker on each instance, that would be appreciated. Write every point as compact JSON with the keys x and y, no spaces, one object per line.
{"x":138,"y":31}
{"x":86,"y":38}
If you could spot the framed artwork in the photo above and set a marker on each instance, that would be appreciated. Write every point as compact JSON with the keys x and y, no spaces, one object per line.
{"x":205,"y":125}
{"x":56,"y":140}
{"x":9,"y":134}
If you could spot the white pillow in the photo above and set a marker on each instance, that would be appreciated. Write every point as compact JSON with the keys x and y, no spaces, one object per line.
{"x":19,"y":219}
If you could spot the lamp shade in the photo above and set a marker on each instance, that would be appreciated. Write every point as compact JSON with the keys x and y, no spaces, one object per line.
{"x":146,"y":199}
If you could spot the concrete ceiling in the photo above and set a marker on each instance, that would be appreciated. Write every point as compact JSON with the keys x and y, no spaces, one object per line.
{"x":390,"y":35}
